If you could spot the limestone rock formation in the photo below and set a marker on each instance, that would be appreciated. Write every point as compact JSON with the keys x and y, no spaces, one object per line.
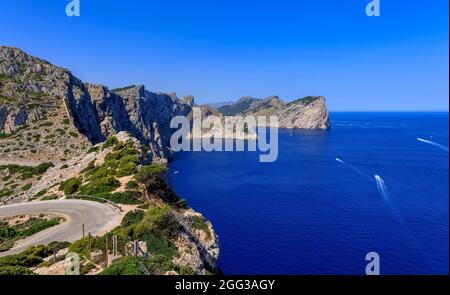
{"x":32,"y":89}
{"x":305,"y":113}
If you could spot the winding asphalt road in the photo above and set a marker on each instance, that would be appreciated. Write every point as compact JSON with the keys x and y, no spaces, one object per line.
{"x":96,"y":217}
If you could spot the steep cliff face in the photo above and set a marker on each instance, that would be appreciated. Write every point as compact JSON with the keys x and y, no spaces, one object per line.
{"x":100,"y":113}
{"x":32,"y":89}
{"x":34,"y":121}
{"x":306,"y":113}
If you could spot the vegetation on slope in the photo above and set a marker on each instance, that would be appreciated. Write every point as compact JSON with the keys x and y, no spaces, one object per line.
{"x":154,"y":222}
{"x":240,"y":106}
{"x":19,"y":264}
{"x":11,"y":233}
{"x":15,"y":178}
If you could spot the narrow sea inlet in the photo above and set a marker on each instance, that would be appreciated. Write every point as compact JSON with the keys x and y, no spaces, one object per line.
{"x":366,"y":185}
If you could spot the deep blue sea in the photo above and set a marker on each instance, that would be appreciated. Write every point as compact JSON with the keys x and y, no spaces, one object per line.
{"x":308,"y":213}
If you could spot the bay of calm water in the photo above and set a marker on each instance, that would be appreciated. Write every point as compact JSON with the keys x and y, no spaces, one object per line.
{"x":308,"y":213}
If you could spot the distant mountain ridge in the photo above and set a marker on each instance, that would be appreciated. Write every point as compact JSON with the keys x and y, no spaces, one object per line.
{"x":239,"y":106}
{"x":216,"y":105}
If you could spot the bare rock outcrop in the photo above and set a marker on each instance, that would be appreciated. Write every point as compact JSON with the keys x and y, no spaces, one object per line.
{"x":305,"y":113}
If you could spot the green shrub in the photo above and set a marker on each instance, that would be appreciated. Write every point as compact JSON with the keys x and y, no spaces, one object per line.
{"x":24,"y":260}
{"x":26,"y":187}
{"x":80,"y":247}
{"x":126,"y":197}
{"x":74,"y":134}
{"x":126,"y":169}
{"x":132,"y":185}
{"x":46,"y":124}
{"x":71,"y":185}
{"x":151,"y":171}
{"x":129,"y":265}
{"x":199,"y":223}
{"x":86,"y":268}
{"x":156,"y":186}
{"x":87,"y":198}
{"x":185,"y":271}
{"x":27,"y":171}
{"x":160,"y":222}
{"x":101,"y":171}
{"x":132,"y":217}
{"x":38,"y":251}
{"x":40,"y":193}
{"x":42,"y":168}
{"x":144,"y":206}
{"x":50,"y":198}
{"x":128,"y":158}
{"x":89,"y":167}
{"x":159,"y":245}
{"x":132,"y":265}
{"x":93,"y":150}
{"x":56,"y":246}
{"x":26,"y":175}
{"x":159,"y":264}
{"x":39,"y":226}
{"x":111,"y":141}
{"x":99,"y":186}
{"x":4,"y":135}
{"x":112,"y":157}
{"x":14,"y":270}
{"x":5,"y":193}
{"x":6,"y":245}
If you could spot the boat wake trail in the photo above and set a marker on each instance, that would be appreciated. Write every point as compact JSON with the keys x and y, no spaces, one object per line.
{"x":442,"y":147}
{"x":384,"y":193}
{"x":382,"y":189}
{"x":359,"y":171}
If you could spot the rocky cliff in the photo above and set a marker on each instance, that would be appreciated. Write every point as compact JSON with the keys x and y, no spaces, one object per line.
{"x":305,"y":113}
{"x":46,"y":99}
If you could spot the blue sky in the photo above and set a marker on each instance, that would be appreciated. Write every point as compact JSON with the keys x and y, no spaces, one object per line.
{"x":222,"y":50}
